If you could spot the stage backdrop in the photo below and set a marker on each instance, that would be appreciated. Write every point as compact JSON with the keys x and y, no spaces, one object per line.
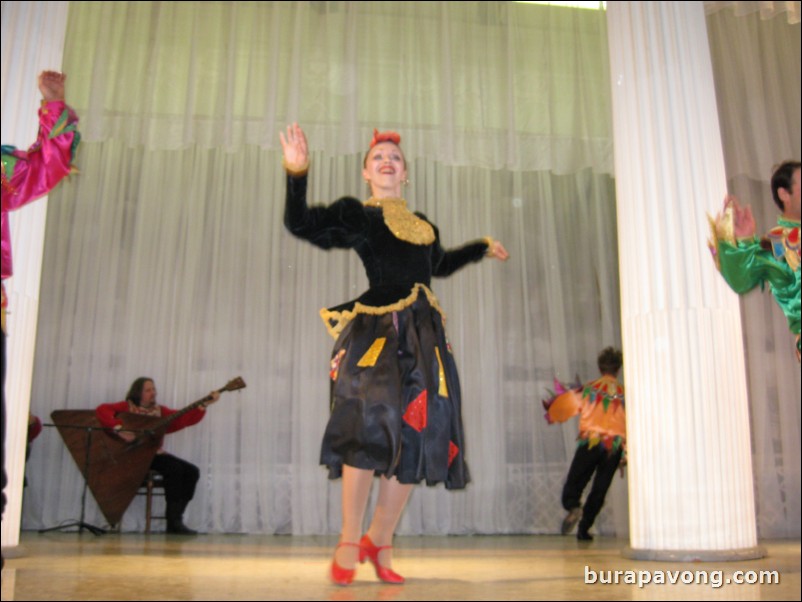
{"x":167,"y":256}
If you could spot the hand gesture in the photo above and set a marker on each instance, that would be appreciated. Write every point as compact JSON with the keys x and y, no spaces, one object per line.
{"x":126,"y":436}
{"x":51,"y":85}
{"x":209,"y":399}
{"x":743,"y":222}
{"x":498,"y":251}
{"x":296,"y":153}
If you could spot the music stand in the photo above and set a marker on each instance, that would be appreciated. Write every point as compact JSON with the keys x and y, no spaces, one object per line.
{"x":80,"y":523}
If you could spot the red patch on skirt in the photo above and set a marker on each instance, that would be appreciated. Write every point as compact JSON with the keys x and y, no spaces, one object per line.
{"x":453,"y":450}
{"x":415,"y":416}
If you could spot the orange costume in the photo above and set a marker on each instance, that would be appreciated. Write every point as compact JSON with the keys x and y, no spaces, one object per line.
{"x":601,"y":444}
{"x":601,"y":407}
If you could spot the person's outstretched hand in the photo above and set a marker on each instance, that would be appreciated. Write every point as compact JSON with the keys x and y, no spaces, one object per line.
{"x":51,"y":85}
{"x":296,"y":153}
{"x":498,"y":251}
{"x":743,"y":221}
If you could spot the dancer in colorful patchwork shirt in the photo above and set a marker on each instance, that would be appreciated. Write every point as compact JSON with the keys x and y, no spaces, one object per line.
{"x":601,"y":442}
{"x":27,"y":176}
{"x":746,"y":261}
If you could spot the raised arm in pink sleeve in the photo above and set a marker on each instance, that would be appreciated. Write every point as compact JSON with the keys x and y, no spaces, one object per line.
{"x":28,"y":175}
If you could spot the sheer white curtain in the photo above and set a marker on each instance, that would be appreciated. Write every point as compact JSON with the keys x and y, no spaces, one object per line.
{"x":758,"y":88}
{"x":766,"y":9}
{"x":167,"y":257}
{"x":465,"y":80}
{"x":197,"y":281}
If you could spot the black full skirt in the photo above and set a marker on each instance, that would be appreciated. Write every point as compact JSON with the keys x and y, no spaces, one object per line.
{"x":395,"y":399}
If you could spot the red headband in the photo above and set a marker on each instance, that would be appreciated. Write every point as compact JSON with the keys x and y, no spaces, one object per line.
{"x":388,"y":136}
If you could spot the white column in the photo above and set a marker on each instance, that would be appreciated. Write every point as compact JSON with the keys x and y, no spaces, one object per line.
{"x":32,"y":40}
{"x":690,"y":482}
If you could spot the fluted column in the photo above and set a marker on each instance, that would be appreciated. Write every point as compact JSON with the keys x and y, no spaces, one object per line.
{"x":690,"y":482}
{"x":33,"y":40}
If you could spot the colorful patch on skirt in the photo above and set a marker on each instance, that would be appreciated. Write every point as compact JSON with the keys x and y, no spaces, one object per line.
{"x":453,"y":450}
{"x":372,"y":355}
{"x":416,"y":414}
{"x":335,"y":364}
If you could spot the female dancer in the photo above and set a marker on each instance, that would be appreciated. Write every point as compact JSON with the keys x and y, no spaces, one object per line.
{"x":395,"y":396}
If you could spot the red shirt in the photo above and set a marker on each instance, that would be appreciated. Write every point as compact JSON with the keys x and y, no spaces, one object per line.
{"x":107,"y":415}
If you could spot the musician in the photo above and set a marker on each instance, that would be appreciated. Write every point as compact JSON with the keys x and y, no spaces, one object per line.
{"x":180,"y":476}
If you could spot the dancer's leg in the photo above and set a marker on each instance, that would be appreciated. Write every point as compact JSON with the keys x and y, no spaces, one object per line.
{"x":393,"y":498}
{"x":608,"y":464}
{"x":356,"y":489}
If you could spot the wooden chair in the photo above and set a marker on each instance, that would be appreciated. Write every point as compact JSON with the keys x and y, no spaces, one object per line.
{"x":153,"y":485}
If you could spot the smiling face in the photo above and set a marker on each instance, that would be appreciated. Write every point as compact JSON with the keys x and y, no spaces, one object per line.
{"x":385,"y":170}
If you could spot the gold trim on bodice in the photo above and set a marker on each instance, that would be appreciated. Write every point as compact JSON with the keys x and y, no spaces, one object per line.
{"x":336,"y":321}
{"x":404,"y":224}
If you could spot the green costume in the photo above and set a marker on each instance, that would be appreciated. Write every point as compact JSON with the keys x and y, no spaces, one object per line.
{"x":748,"y":262}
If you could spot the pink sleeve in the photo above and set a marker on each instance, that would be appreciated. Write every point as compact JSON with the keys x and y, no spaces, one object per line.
{"x":47,"y":161}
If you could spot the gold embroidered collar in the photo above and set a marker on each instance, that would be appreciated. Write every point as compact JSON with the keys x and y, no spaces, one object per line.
{"x":404,"y":224}
{"x":152,"y":411}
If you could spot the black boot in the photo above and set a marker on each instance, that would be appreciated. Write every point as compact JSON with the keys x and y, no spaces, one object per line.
{"x":582,"y":532}
{"x":175,"y":518}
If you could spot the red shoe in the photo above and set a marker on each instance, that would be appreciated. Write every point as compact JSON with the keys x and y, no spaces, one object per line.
{"x":339,"y":575}
{"x":368,"y":551}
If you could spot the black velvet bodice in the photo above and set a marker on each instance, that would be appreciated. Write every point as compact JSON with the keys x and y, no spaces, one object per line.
{"x":393,"y":266}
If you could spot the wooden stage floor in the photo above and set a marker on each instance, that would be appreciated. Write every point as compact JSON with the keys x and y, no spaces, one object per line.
{"x":69,"y":566}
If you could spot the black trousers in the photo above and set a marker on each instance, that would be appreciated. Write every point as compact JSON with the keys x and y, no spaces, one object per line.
{"x":586,"y":462}
{"x":180,"y":477}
